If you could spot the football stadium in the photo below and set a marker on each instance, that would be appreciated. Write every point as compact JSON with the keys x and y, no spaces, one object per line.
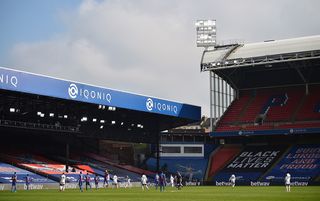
{"x":111,"y":100}
{"x":265,"y":124}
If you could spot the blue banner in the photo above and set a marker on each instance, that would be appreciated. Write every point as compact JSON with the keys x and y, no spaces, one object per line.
{"x":47,"y":86}
{"x":293,"y":131}
{"x":301,"y":161}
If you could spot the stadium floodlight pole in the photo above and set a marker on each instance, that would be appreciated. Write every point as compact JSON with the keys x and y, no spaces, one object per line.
{"x":206,"y":37}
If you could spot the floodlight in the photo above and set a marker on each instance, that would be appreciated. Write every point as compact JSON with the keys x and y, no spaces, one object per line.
{"x":12,"y":109}
{"x":51,"y":114}
{"x":206,"y":33}
{"x":94,"y":120}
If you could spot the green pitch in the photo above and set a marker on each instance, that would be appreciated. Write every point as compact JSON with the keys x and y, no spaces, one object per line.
{"x":240,"y":193}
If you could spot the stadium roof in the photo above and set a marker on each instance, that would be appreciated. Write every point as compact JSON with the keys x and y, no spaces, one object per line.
{"x":76,"y":104}
{"x":267,"y":48}
{"x":287,"y":62}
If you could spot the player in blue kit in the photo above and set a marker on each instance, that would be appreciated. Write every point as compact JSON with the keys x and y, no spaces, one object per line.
{"x":179,"y":180}
{"x":106,"y":179}
{"x":14,"y":179}
{"x":96,"y":181}
{"x":28,"y":181}
{"x":162,"y":181}
{"x":156,"y":181}
{"x":80,"y":180}
{"x":87,"y":178}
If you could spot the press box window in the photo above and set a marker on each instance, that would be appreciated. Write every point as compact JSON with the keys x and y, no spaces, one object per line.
{"x":191,"y":150}
{"x":171,"y":150}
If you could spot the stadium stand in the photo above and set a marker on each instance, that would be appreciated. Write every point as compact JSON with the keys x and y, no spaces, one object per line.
{"x":43,"y":166}
{"x":251,"y":163}
{"x":81,"y":165}
{"x":100,"y":164}
{"x":277,"y":108}
{"x":301,"y":161}
{"x":283,"y":106}
{"x":125,"y":167}
{"x":254,"y":108}
{"x":7,"y":170}
{"x":220,"y":157}
{"x":235,"y":110}
{"x":310,"y":110}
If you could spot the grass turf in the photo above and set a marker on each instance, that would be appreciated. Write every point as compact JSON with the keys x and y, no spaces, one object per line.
{"x":240,"y":193}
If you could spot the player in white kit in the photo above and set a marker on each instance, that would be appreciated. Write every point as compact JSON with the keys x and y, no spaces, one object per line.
{"x":144,"y":180}
{"x":115,"y":181}
{"x":233,"y":180}
{"x":62,"y":182}
{"x":287,"y":182}
{"x":128,"y":182}
{"x":171,"y":180}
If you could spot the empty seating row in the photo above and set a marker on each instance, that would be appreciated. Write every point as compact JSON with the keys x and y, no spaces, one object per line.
{"x":7,"y":170}
{"x":272,"y":109}
{"x":43,"y":166}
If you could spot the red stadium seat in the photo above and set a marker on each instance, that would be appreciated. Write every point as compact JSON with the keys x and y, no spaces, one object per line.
{"x":298,"y":110}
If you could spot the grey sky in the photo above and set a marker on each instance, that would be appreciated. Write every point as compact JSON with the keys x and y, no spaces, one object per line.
{"x":148,"y":47}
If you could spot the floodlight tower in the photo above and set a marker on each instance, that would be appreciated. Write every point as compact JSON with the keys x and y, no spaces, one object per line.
{"x":206,"y":37}
{"x":221,"y":93}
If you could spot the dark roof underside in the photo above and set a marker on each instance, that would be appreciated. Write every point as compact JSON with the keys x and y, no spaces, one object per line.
{"x":272,"y":75}
{"x":121,"y":124}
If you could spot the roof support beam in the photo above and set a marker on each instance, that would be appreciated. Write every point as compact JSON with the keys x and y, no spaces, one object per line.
{"x":303,"y":78}
{"x":300,"y":74}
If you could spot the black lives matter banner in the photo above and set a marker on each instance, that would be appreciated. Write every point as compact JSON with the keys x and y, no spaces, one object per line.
{"x":255,"y":158}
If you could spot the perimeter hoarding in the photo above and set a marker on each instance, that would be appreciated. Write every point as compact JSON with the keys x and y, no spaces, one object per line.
{"x":47,"y":86}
